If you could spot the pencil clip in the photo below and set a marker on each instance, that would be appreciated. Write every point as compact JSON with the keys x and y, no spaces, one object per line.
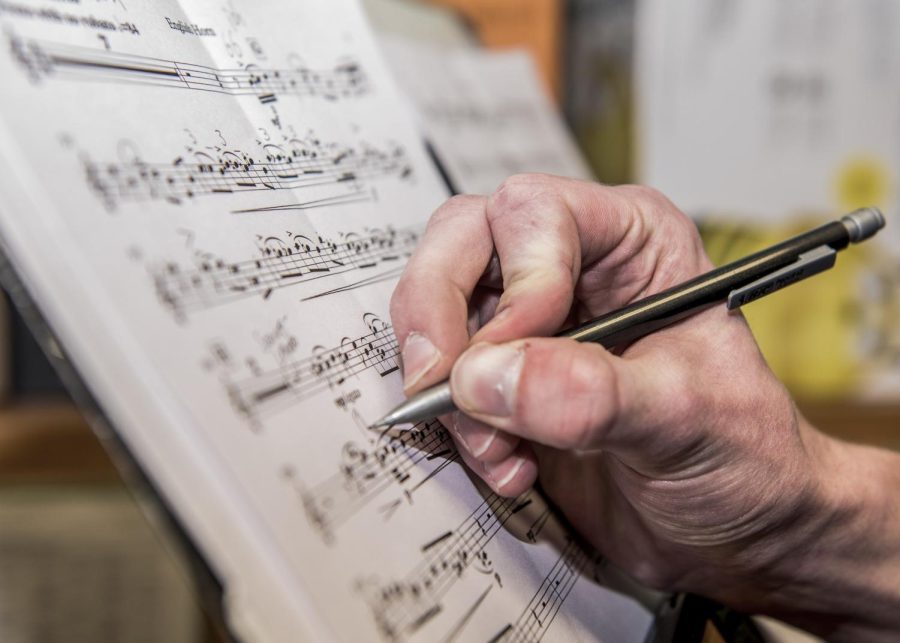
{"x":808,"y":264}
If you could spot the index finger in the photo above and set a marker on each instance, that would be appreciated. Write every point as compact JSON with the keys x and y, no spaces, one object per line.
{"x":430,"y":306}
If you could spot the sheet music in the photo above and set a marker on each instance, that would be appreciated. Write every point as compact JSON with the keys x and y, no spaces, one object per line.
{"x":211,"y":202}
{"x":485,"y":112}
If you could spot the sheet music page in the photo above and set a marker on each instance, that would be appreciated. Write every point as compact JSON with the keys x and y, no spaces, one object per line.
{"x":485,"y":112}
{"x":210,"y":203}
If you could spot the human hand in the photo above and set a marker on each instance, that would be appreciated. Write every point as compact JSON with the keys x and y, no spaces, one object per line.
{"x":681,"y":457}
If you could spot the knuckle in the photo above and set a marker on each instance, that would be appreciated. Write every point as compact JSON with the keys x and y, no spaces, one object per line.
{"x":518,"y":181}
{"x":655,"y":212}
{"x":455,"y":206}
{"x":650,"y":198}
{"x":514,"y":192}
{"x":652,"y":203}
{"x":462,"y":202}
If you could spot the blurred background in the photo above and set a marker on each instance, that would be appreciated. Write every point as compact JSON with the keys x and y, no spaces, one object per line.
{"x":759,"y":118}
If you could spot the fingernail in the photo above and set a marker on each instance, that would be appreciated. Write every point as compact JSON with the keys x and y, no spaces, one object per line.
{"x":501,"y":474}
{"x":476,"y":437}
{"x":419,"y":357}
{"x":486,"y":377}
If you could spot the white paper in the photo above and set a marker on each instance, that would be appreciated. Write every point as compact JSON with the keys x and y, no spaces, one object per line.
{"x":485,"y":113}
{"x":211,"y":203}
{"x":760,"y":109}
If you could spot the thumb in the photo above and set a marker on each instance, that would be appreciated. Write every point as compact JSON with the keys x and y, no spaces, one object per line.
{"x":559,"y":393}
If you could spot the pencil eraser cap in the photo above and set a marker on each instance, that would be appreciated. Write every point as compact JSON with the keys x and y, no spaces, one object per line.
{"x":863,"y":223}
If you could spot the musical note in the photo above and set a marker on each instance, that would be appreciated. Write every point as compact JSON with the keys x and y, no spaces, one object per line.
{"x":269,"y":390}
{"x":400,"y":608}
{"x":230,"y":187}
{"x":298,"y":163}
{"x":538,"y":615}
{"x":48,"y":60}
{"x":281,"y":261}
{"x":365,"y":474}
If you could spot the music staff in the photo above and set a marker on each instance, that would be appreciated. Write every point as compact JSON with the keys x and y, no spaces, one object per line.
{"x":282,"y":261}
{"x":299,"y":163}
{"x":42,"y":59}
{"x":269,"y":390}
{"x":538,"y":615}
{"x":365,"y":474}
{"x":402,"y":607}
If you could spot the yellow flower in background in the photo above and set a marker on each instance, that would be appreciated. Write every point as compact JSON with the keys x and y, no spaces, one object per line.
{"x":809,"y":333}
{"x":863,"y":181}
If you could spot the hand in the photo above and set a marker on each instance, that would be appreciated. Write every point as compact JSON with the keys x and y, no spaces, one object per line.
{"x":681,"y":457}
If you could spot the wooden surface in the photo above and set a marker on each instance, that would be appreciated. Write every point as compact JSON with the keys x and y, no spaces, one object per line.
{"x":49,"y":441}
{"x":875,"y":424}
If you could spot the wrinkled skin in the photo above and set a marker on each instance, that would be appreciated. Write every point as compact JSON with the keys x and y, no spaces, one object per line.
{"x":681,"y":458}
